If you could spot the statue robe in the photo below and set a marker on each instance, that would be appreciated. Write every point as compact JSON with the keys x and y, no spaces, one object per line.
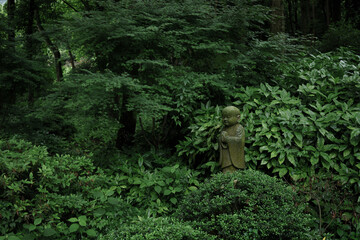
{"x":232,"y":149}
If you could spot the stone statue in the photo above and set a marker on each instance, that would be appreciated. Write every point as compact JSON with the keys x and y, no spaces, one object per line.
{"x":231,"y":141}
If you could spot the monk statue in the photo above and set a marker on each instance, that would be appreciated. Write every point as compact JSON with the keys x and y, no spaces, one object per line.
{"x":231,"y":141}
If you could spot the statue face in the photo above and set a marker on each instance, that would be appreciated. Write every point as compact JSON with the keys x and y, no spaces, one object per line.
{"x":230,"y":118}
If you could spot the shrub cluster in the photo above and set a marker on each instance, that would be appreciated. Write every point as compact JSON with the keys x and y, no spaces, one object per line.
{"x":246,"y":205}
{"x":156,"y":229}
{"x":305,"y":126}
{"x":60,"y":197}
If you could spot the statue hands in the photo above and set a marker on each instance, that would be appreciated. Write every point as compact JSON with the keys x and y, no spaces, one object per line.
{"x":224,"y":135}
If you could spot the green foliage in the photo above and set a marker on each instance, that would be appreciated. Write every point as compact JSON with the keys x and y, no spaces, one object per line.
{"x":246,"y":205}
{"x":307,"y":125}
{"x":18,"y":72}
{"x":311,"y":125}
{"x":156,"y":190}
{"x":61,"y":197}
{"x":341,"y":34}
{"x":156,"y":229}
{"x":262,"y":60}
{"x":200,"y":145}
{"x":333,"y":204}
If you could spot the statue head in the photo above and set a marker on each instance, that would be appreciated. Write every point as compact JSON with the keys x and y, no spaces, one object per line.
{"x":230,"y":116}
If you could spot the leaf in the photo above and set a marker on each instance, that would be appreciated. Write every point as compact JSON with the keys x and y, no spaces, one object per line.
{"x":173,"y":200}
{"x":32,"y":227}
{"x":82,"y":221}
{"x":299,"y":143}
{"x":291,"y":159}
{"x":346,"y":152}
{"x":109,"y":193}
{"x":13,"y":238}
{"x":167,"y":192}
{"x":298,"y":136}
{"x":73,"y":220}
{"x":99,"y":212}
{"x":91,"y":233}
{"x":314,"y":160}
{"x":264,"y":161}
{"x":320,"y":143}
{"x":346,"y":216}
{"x":157,"y":189}
{"x":140,"y":161}
{"x":274,"y":154}
{"x":192,"y":188}
{"x":74,"y":227}
{"x":282,"y":172}
{"x":49,"y":232}
{"x":113,"y":201}
{"x":37,"y":221}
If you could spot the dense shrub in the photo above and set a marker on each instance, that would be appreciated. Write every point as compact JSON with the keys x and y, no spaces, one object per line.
{"x":306,"y":126}
{"x":153,"y":181}
{"x":156,"y":229}
{"x":200,"y":145}
{"x":246,"y":205}
{"x":341,"y":34}
{"x":60,"y":197}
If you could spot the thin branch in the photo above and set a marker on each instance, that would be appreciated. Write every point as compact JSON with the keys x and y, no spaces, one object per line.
{"x":143,"y":130}
{"x":70,"y":6}
{"x":320,"y":221}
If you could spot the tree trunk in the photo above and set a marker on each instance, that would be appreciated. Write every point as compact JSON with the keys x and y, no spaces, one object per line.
{"x":352,"y":12}
{"x":11,"y":16}
{"x":29,"y":30}
{"x":290,"y":14}
{"x":336,"y":11}
{"x":72,"y":60}
{"x":327,"y":12}
{"x":313,"y":19}
{"x":54,"y":49}
{"x":125,"y":135}
{"x":296,"y":23}
{"x":277,"y":25}
{"x":305,"y":16}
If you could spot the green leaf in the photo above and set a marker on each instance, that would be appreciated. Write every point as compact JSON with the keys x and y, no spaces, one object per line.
{"x":192,"y":188}
{"x":109,"y":193}
{"x":157,"y":189}
{"x":167,"y":192}
{"x":291,"y":159}
{"x":13,"y":238}
{"x":274,"y":154}
{"x":173,"y":200}
{"x":49,"y":232}
{"x":346,"y":216}
{"x":99,"y":212}
{"x":91,"y":233}
{"x":82,"y":221}
{"x":74,"y":227}
{"x":298,"y":136}
{"x":37,"y":221}
{"x":264,"y":161}
{"x":32,"y":227}
{"x":140,"y":161}
{"x":113,"y":201}
{"x":320,"y":143}
{"x":73,"y":220}
{"x":314,"y":160}
{"x":282,"y":172}
{"x":346,"y":152}
{"x":299,"y":143}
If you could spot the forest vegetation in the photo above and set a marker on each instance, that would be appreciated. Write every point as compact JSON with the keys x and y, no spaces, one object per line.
{"x":110,"y":112}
